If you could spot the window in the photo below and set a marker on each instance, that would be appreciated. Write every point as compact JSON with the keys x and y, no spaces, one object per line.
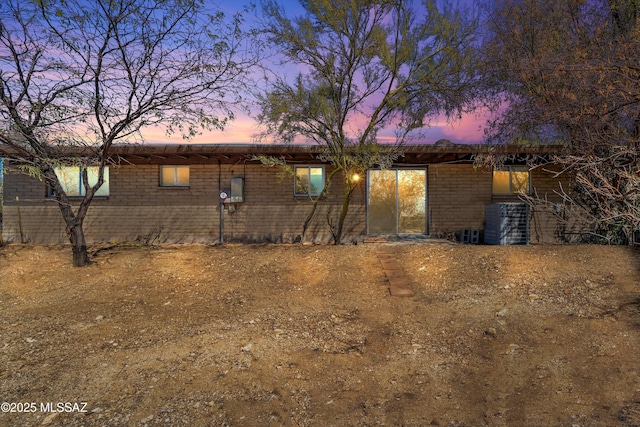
{"x":511,"y":180}
{"x":309,"y":180}
{"x":70,"y":178}
{"x":174,"y":176}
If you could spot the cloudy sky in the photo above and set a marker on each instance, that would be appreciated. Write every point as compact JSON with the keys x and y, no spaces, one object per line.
{"x":468,"y":130}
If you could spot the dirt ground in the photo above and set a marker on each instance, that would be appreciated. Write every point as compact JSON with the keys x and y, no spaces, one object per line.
{"x":256,"y":335}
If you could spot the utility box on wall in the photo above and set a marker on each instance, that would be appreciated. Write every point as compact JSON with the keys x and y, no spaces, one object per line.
{"x":237,"y":190}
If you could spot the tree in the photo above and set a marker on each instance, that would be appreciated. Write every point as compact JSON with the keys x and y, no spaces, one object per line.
{"x":366,"y":65}
{"x":567,"y":72}
{"x":1,"y":194}
{"x":77,"y":77}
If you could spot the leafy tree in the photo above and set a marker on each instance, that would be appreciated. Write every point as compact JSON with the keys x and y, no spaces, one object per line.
{"x":365,"y":65}
{"x":567,"y":71}
{"x":77,"y":77}
{"x":1,"y":194}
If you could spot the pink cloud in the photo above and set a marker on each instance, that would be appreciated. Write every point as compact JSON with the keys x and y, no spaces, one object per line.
{"x":239,"y":130}
{"x":467,"y":130}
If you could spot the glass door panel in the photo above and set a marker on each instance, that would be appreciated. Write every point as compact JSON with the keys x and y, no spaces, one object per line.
{"x":411,"y":202}
{"x":397,"y":201}
{"x":382,"y":214}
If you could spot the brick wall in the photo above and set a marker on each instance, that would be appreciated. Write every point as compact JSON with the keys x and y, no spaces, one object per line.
{"x":138,"y":208}
{"x":544,"y":224}
{"x":458,"y":194}
{"x":271,"y":212}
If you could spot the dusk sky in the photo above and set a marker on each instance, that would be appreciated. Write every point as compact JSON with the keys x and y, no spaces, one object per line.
{"x":467,"y":130}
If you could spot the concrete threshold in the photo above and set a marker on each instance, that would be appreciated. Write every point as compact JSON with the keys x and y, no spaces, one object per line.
{"x":406,"y":239}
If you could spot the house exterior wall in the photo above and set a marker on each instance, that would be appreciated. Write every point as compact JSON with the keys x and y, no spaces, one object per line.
{"x":545,"y":227}
{"x":139,"y":209}
{"x":458,"y":194}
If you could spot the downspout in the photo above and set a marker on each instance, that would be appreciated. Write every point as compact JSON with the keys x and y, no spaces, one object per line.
{"x":221,"y":240}
{"x":20,"y":220}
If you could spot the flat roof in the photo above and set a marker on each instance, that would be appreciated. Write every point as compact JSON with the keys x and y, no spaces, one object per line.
{"x":412,"y":153}
{"x":232,"y":153}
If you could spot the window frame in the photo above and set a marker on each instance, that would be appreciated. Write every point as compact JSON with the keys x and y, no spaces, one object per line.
{"x":175,"y":184}
{"x":511,"y":169}
{"x":295,"y":180}
{"x":81,"y":190}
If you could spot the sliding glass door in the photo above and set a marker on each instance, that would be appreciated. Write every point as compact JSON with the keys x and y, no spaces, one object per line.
{"x":397,"y":200}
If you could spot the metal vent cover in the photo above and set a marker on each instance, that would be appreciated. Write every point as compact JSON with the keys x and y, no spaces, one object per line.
{"x":506,"y":224}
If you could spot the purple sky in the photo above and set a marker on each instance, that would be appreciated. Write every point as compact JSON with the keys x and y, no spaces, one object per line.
{"x":467,"y":130}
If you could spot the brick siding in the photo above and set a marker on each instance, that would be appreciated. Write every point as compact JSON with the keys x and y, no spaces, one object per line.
{"x":138,"y":208}
{"x":458,"y":194}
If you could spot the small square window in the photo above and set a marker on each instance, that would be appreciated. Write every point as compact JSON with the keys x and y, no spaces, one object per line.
{"x":511,"y":180}
{"x":309,"y":180}
{"x":174,"y":176}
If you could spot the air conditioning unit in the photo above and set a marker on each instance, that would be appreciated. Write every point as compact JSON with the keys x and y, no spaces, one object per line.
{"x":506,"y":224}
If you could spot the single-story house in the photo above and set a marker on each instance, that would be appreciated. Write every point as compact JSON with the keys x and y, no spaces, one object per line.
{"x":208,"y":193}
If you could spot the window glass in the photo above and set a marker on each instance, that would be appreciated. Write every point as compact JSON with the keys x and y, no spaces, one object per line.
{"x":383,"y":204}
{"x":511,"y":180}
{"x":316,"y":180}
{"x":501,"y":182}
{"x":70,"y":178}
{"x":302,"y":181}
{"x":309,"y":180}
{"x":411,"y":199}
{"x":173,"y":176}
{"x":182,"y":175}
{"x":167,"y":176}
{"x":92,"y":174}
{"x":520,"y":182}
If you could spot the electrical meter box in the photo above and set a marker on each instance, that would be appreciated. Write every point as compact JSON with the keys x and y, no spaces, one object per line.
{"x":237,"y":190}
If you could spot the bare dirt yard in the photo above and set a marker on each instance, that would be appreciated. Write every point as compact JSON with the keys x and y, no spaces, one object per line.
{"x":256,"y":335}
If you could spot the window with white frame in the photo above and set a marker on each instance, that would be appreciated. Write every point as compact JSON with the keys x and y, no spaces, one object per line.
{"x":174,"y":176}
{"x":70,"y":178}
{"x":511,"y":180}
{"x":309,"y":180}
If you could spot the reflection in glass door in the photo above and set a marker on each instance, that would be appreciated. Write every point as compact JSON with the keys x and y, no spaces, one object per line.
{"x":397,"y":201}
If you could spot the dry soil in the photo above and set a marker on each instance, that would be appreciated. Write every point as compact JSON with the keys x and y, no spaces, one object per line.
{"x":256,"y":335}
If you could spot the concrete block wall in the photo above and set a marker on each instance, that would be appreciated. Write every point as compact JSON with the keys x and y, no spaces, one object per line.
{"x":458,"y":194}
{"x":138,"y":208}
{"x":271,"y":212}
{"x":545,"y":227}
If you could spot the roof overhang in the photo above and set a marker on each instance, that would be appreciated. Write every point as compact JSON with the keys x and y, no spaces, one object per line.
{"x":234,"y":153}
{"x":295,"y":153}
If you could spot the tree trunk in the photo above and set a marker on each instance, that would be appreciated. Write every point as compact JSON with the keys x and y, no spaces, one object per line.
{"x":79,"y":246}
{"x":309,"y":218}
{"x":325,"y":189}
{"x":337,"y":237}
{"x":73,"y":221}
